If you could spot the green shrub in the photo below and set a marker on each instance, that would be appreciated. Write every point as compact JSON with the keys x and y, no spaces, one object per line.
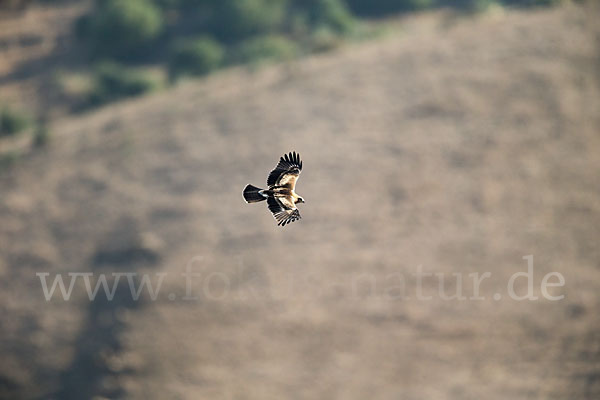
{"x":265,"y":48}
{"x":195,"y":57}
{"x":112,"y":82}
{"x":121,"y":28}
{"x":12,"y":121}
{"x":482,"y":5}
{"x":168,"y":4}
{"x":332,"y":14}
{"x":234,"y":20}
{"x":529,"y":3}
{"x":8,"y":159}
{"x":41,"y":136}
{"x":382,"y":7}
{"x":469,"y":5}
{"x":82,"y":26}
{"x":183,"y":4}
{"x":323,"y":39}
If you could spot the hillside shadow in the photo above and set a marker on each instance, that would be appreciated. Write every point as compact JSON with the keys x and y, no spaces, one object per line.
{"x":97,"y":366}
{"x":91,"y":373}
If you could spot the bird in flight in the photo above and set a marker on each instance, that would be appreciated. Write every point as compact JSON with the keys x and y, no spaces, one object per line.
{"x":280,"y":196}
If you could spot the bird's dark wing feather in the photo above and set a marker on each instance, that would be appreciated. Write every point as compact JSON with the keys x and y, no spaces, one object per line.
{"x":282,"y":213}
{"x":286,"y":172}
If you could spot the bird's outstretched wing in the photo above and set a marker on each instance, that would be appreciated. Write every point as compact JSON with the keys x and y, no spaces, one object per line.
{"x":283,"y":210}
{"x":286,"y":172}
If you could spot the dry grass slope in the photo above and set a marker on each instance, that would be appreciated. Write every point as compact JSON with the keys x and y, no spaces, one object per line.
{"x":458,"y":147}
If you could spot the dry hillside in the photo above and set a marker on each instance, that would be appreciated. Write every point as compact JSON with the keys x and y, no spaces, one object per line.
{"x":37,"y":47}
{"x":454,"y":146}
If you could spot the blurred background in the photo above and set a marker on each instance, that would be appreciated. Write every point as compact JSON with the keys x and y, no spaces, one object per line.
{"x":452,"y":137}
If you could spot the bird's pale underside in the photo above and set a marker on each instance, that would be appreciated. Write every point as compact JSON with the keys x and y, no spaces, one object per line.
{"x":280,"y":196}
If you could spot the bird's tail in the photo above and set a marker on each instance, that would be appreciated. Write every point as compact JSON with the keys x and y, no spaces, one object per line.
{"x":252,"y":194}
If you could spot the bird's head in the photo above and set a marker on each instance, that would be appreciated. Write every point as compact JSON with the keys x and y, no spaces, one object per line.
{"x":300,"y":200}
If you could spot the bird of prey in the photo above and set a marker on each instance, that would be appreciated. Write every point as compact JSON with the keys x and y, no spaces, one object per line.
{"x":280,"y":195}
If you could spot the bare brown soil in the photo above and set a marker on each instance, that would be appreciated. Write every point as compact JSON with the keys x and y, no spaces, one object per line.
{"x":457,"y":145}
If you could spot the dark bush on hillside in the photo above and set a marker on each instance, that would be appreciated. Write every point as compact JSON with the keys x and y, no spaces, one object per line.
{"x":113,"y":82}
{"x":468,"y":5}
{"x":8,"y":159}
{"x":12,"y":121}
{"x":121,"y":29}
{"x":184,"y":4}
{"x":528,"y":3}
{"x":265,"y":48}
{"x":332,"y":14}
{"x":195,"y":57}
{"x":377,"y":8}
{"x":481,"y":5}
{"x":323,"y":39}
{"x":234,"y":20}
{"x":41,"y":136}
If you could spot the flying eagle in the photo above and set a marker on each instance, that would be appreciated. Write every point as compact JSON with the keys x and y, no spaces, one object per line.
{"x":280,"y":196}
